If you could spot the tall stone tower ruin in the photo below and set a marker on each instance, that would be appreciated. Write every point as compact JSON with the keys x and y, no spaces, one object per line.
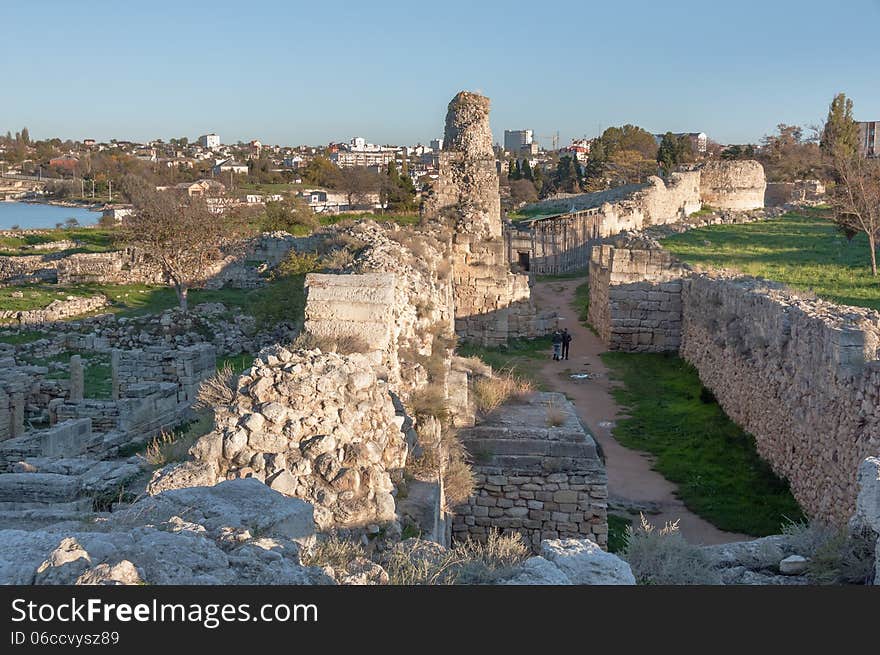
{"x":492,"y":304}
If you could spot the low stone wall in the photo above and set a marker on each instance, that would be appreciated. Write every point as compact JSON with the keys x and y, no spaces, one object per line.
{"x":184,"y":367}
{"x":117,"y":267}
{"x":802,"y":191}
{"x":57,"y":310}
{"x":537,"y":473}
{"x":22,"y":269}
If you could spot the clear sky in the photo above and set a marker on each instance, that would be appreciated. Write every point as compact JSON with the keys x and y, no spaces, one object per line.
{"x":326,"y":70}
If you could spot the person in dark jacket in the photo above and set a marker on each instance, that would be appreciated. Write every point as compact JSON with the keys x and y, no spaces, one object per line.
{"x":566,"y":339}
{"x":556,"y":340}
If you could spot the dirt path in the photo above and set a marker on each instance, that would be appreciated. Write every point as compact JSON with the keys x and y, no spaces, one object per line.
{"x":630,"y":476}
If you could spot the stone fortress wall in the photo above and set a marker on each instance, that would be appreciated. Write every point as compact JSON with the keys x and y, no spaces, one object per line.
{"x":801,"y":375}
{"x":561,"y":243}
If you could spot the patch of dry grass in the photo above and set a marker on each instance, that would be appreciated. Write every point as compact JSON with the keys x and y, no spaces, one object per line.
{"x":492,"y":392}
{"x":217,"y":390}
{"x":343,"y":344}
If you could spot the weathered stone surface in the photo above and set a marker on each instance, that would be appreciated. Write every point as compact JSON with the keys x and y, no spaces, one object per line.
{"x":181,"y":475}
{"x":244,"y":503}
{"x":584,"y":562}
{"x":793,"y":565}
{"x":538,"y":571}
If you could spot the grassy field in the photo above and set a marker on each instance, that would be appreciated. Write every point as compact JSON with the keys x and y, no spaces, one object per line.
{"x":519,"y":356}
{"x":281,"y":299}
{"x":90,"y":240}
{"x":712,"y":460}
{"x":804,"y":251}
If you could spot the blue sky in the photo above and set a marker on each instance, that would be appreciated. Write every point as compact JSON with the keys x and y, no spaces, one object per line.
{"x":312,"y":72}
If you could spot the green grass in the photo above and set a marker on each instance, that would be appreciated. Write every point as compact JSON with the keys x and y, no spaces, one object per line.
{"x":22,"y":337}
{"x":574,"y":275}
{"x":712,"y":460}
{"x":805,"y":252}
{"x":581,"y":301}
{"x":519,"y":355}
{"x":238,"y":363}
{"x":281,"y":299}
{"x":90,"y":240}
{"x":618,"y":537}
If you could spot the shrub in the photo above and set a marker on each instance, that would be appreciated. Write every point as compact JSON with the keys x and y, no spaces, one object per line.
{"x":334,"y":552}
{"x":835,"y":556}
{"x":337,"y":260}
{"x":663,"y":557}
{"x":298,"y":263}
{"x":491,"y":393}
{"x":344,"y":344}
{"x":555,"y":416}
{"x":217,"y":390}
{"x":429,"y":402}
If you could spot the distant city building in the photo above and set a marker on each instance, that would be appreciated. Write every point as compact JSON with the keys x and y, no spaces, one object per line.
{"x":230,"y":166}
{"x":869,"y":138}
{"x":360,"y":153}
{"x":209,"y":141}
{"x":436,"y":145}
{"x":699,"y":140}
{"x":88,"y":143}
{"x":516,"y":141}
{"x":579,"y":148}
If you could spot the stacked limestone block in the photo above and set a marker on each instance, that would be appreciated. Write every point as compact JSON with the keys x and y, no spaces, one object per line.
{"x":57,"y":310}
{"x":802,"y":376}
{"x":396,"y":299}
{"x":635,"y":298}
{"x":537,"y":473}
{"x":317,"y":426}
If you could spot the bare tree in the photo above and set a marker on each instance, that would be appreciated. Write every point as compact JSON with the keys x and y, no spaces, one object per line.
{"x":856,"y":198}
{"x":357,"y":183}
{"x":180,"y":234}
{"x":856,"y":192}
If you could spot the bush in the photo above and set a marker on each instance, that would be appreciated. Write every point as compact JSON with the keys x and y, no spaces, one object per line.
{"x":342,"y":344}
{"x":298,"y":263}
{"x":217,"y":390}
{"x":835,"y":556}
{"x":664,"y":557}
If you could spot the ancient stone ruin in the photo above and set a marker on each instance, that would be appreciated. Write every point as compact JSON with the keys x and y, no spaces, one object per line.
{"x":561,"y":241}
{"x":492,"y":304}
{"x":802,"y":375}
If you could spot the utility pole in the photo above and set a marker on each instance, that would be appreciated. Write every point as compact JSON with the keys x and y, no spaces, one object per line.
{"x":110,"y":183}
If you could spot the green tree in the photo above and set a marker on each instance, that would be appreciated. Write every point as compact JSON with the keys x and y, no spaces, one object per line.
{"x":292,"y":215}
{"x":840,"y":136}
{"x":320,"y":171}
{"x":398,"y":191}
{"x":526,"y":171}
{"x":567,"y":178}
{"x":855,"y":195}
{"x":668,"y":153}
{"x":511,"y":170}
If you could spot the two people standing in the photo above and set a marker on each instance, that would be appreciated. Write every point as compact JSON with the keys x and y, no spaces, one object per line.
{"x":560,"y":341}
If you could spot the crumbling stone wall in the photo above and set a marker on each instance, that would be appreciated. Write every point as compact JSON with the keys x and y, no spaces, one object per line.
{"x":492,"y":303}
{"x":801,"y":375}
{"x":736,"y":184}
{"x":126,"y":266}
{"x":57,"y":310}
{"x":25,"y":269}
{"x":318,"y":426}
{"x":635,"y":298}
{"x":537,"y":473}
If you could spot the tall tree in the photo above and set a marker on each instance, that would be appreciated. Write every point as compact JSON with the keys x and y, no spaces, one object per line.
{"x":669,"y":153}
{"x":526,"y":171}
{"x":180,"y":234}
{"x":840,"y":136}
{"x":855,"y":195}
